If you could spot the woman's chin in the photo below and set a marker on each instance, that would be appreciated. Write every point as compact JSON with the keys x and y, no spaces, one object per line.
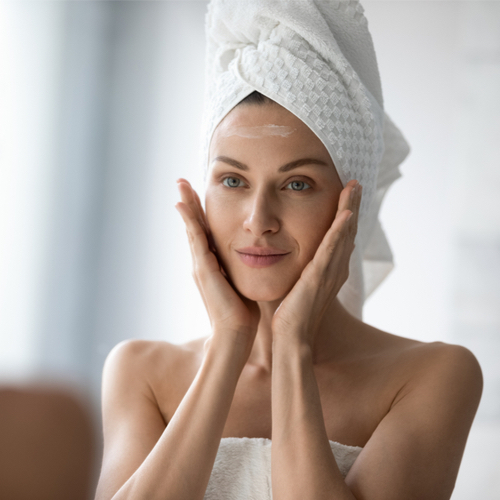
{"x":262,"y":293}
{"x":258,"y":297}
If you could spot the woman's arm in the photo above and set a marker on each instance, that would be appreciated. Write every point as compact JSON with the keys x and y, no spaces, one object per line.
{"x":414,"y":453}
{"x":302,"y":463}
{"x":416,"y":450}
{"x":143,"y":459}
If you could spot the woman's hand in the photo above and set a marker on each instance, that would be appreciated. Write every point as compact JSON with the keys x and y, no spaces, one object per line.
{"x":228,"y":310}
{"x":301,"y":311}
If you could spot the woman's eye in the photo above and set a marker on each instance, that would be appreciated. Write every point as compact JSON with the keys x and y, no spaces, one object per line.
{"x":299,"y":185}
{"x":234,"y":182}
{"x":231,"y":182}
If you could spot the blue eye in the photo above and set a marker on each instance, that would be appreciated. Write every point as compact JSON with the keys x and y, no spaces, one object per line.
{"x":299,"y":185}
{"x":232,"y":182}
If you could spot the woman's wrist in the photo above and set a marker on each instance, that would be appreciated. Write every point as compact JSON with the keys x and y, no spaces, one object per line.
{"x":231,"y":345}
{"x":294,"y":341}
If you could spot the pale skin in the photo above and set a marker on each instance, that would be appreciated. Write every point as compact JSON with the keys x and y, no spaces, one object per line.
{"x":284,"y":360}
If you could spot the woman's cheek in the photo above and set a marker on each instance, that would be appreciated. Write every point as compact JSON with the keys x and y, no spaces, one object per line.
{"x":309,"y":227}
{"x":222,"y":221}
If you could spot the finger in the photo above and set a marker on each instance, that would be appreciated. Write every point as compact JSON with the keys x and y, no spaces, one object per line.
{"x":197,"y":246}
{"x":334,"y":242}
{"x":355,"y":207}
{"x":338,"y":242}
{"x":347,"y":201}
{"x":203,"y":215}
{"x":358,"y":208}
{"x":186,"y":198}
{"x":330,"y":266}
{"x":204,"y":222}
{"x":347,"y":196}
{"x":195,"y":203}
{"x":184,"y":214}
{"x":200,"y":207}
{"x":350,"y":199}
{"x":190,"y":197}
{"x":203,"y":258}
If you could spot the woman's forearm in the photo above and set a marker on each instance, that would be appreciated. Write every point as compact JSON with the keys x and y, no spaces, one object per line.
{"x":180,"y":464}
{"x":302,"y":463}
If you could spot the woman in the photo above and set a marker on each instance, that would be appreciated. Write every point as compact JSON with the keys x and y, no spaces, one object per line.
{"x":281,"y":257}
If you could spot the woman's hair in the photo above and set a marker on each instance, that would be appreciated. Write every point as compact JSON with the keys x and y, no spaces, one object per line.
{"x":256,"y":98}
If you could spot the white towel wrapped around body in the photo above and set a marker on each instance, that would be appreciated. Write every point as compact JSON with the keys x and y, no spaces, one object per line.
{"x":242,"y":468}
{"x":316,"y":59}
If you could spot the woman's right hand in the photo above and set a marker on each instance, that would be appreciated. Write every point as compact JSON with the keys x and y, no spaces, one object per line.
{"x":230,"y":313}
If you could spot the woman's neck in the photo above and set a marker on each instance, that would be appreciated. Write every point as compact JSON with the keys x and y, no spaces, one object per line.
{"x":332,"y":337}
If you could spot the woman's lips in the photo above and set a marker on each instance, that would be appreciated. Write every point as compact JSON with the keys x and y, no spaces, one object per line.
{"x":260,"y":260}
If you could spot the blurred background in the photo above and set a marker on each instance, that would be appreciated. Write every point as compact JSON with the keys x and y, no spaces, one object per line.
{"x":100,"y":107}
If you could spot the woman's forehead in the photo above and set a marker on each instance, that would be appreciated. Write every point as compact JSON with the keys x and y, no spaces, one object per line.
{"x":268,"y":141}
{"x":254,"y":115}
{"x":257,"y":131}
{"x":258,"y":125}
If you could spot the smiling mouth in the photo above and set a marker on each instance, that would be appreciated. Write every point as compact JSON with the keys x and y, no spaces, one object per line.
{"x":261,"y":251}
{"x":262,"y":260}
{"x":262,"y":254}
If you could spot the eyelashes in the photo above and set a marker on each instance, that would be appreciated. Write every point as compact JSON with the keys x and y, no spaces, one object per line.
{"x":230,"y":183}
{"x":297,"y":185}
{"x":300,"y":183}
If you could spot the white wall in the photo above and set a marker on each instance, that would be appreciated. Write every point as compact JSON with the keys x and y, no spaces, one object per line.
{"x":440,"y":68}
{"x":30,"y":46}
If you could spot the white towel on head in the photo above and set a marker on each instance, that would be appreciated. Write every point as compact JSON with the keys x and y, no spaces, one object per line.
{"x":316,"y":59}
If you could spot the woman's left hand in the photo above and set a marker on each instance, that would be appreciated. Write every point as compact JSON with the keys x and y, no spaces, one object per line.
{"x":300,"y":313}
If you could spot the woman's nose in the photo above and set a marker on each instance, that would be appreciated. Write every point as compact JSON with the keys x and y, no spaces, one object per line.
{"x":261,"y":216}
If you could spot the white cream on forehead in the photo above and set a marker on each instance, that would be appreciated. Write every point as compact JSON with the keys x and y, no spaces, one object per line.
{"x":257,"y":131}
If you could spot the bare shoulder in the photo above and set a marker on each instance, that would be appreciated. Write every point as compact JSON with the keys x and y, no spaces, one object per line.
{"x":446,"y":372}
{"x":138,"y":358}
{"x":151,"y":372}
{"x":416,"y":360}
{"x":401,"y":368}
{"x":141,"y":386}
{"x":452,"y":372}
{"x":440,"y":355}
{"x":147,"y":357}
{"x":440,"y":361}
{"x":418,"y":444}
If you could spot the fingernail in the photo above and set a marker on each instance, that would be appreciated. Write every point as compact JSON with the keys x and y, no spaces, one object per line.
{"x":349,"y":216}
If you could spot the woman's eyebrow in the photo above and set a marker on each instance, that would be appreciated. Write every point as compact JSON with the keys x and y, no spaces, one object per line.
{"x":284,"y":168}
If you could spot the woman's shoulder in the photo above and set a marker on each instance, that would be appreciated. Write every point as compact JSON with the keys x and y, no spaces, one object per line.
{"x":426,"y":382}
{"x":430,"y":366}
{"x":414,"y":353}
{"x":429,"y":357}
{"x":443,"y":365}
{"x":148,"y":356}
{"x":156,"y":372}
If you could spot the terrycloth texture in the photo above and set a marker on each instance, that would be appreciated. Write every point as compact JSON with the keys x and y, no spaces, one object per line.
{"x":242,"y":468}
{"x":316,"y":59}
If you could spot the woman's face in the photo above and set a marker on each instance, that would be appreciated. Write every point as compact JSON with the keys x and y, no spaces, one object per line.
{"x":271,"y":187}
